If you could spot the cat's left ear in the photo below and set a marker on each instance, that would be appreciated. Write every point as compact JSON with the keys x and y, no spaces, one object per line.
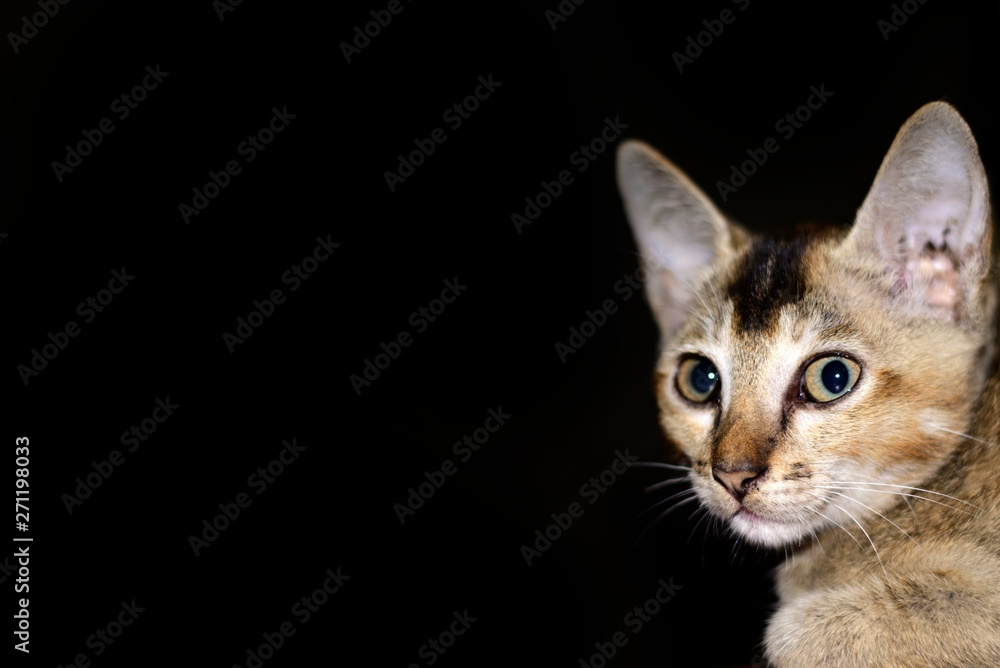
{"x":678,"y":230}
{"x":926,"y":216}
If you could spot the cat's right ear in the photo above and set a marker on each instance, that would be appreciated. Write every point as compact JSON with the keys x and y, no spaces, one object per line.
{"x":927,"y":216}
{"x":678,"y":231}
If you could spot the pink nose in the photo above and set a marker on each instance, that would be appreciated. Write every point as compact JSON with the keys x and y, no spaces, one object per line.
{"x":737,"y":482}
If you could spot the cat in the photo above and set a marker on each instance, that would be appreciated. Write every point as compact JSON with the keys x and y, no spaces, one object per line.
{"x":835,"y":392}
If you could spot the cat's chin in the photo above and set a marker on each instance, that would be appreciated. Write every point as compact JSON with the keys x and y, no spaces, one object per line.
{"x":764,"y":531}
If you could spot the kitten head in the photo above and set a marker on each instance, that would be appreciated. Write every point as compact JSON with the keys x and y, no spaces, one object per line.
{"x":805,"y":376}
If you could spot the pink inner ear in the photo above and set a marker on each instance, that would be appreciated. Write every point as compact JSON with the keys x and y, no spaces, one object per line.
{"x":936,"y":273}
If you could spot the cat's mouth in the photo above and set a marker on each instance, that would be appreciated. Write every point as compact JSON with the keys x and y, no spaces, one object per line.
{"x":751,"y":516}
{"x":772,"y":512}
{"x":763,"y":530}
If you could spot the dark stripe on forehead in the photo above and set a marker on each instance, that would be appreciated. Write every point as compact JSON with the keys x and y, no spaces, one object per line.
{"x":767,"y":277}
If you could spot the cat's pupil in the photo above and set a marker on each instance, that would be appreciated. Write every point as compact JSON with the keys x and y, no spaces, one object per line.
{"x":703,"y":376}
{"x":835,"y":376}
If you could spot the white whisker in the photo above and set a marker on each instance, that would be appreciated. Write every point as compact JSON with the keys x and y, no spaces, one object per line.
{"x":958,"y":433}
{"x":659,"y":465}
{"x":659,"y":503}
{"x":877,"y":513}
{"x":916,"y":489}
{"x":866,"y":536}
{"x":830,"y":519}
{"x":912,"y":512}
{"x":903,"y":494}
{"x":664,"y":483}
{"x":659,"y":518}
{"x":704,"y":511}
{"x":816,"y":538}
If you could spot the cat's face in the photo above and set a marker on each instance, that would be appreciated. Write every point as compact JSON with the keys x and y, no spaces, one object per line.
{"x":793,"y":389}
{"x":809,"y":379}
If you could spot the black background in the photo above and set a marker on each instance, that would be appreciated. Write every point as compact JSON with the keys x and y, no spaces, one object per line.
{"x":494,"y":347}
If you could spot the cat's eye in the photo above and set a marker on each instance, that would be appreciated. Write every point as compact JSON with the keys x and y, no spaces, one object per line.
{"x":830,"y":378}
{"x":697,"y":379}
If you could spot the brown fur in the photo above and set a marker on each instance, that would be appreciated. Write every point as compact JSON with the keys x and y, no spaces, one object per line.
{"x":888,"y":494}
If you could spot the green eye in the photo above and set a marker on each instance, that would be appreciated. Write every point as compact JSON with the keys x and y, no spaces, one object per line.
{"x":697,"y":379}
{"x":830,"y":378}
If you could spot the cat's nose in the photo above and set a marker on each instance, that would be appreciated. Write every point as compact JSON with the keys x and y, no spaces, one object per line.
{"x":737,"y":482}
